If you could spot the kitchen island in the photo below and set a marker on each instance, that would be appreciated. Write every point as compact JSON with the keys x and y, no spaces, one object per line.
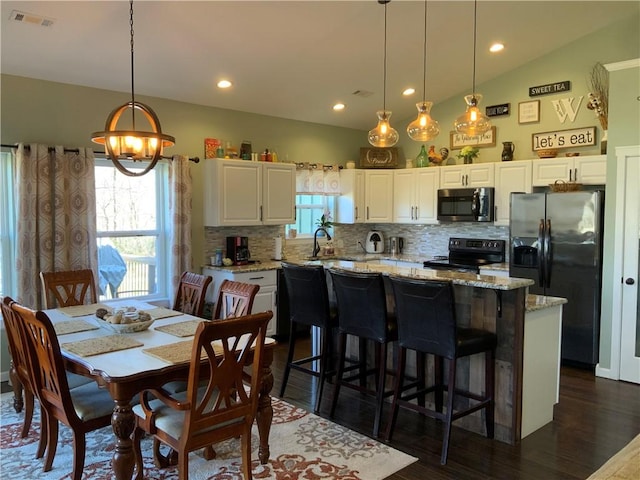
{"x":525,"y":393}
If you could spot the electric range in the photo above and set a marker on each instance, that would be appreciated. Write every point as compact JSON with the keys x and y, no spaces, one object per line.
{"x":469,"y":254}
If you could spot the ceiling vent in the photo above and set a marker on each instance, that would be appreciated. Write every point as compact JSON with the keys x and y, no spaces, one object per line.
{"x":362,"y":93}
{"x":24,"y":17}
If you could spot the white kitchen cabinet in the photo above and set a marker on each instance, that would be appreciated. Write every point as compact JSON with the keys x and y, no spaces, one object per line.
{"x":351,"y":205}
{"x":264,"y":300}
{"x":415,"y":195}
{"x":510,"y":177}
{"x":378,"y":195}
{"x":591,"y":170}
{"x":471,"y":175}
{"x":239,"y":193}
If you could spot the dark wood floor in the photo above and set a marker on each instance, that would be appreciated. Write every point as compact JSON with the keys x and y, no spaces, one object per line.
{"x":595,"y":418}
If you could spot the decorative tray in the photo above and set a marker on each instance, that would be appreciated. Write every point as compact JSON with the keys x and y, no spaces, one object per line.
{"x":124,"y":320}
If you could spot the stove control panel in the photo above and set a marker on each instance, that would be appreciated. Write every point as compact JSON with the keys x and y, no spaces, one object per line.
{"x":476,"y":245}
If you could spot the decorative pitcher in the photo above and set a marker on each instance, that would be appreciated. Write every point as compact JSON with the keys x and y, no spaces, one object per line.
{"x":507,"y":151}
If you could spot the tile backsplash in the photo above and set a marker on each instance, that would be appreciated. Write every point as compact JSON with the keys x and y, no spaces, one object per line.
{"x":420,"y":240}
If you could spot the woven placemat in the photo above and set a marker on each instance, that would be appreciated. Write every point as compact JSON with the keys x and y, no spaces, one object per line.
{"x":179,"y":352}
{"x":161,"y":312}
{"x":73,"y":326}
{"x":96,"y":346}
{"x":181,"y":329}
{"x":82,"y":310}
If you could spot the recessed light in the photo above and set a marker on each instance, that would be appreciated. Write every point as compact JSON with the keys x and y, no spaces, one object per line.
{"x":409,"y":91}
{"x":339,"y":106}
{"x":224,"y":84}
{"x":496,"y":47}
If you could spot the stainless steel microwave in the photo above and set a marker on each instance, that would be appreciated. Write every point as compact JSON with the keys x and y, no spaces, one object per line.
{"x":466,"y":204}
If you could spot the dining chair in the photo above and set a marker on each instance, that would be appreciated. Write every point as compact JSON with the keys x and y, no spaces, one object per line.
{"x":235,"y":299}
{"x":426,"y":316}
{"x":363,"y":314}
{"x":68,"y":288}
{"x":83,"y":409}
{"x":191,"y":292}
{"x":309,"y":305}
{"x":219,"y":408}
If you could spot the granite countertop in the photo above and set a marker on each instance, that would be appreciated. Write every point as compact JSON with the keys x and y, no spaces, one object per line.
{"x":540,"y":302}
{"x":497,"y":266}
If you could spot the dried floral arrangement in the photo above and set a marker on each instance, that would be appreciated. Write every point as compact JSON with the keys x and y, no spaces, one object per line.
{"x":599,"y":94}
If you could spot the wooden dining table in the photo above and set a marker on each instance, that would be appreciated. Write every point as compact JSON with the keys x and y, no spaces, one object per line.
{"x":136,"y":363}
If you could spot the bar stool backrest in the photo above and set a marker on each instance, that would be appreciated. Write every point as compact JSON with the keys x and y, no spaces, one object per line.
{"x":308,"y":294}
{"x":425,"y":312}
{"x":362,"y":306}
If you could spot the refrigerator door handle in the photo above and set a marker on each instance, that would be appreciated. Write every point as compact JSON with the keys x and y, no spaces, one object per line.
{"x":541,"y":254}
{"x":547,"y":254}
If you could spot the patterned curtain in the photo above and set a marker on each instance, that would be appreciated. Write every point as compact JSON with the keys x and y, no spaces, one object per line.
{"x":317,"y":179}
{"x":56,"y":215}
{"x":180,"y":204}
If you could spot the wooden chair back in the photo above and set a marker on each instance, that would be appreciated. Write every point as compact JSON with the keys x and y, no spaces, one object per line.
{"x":235,"y":299}
{"x":68,"y":288}
{"x":219,"y":405}
{"x":191,"y":293}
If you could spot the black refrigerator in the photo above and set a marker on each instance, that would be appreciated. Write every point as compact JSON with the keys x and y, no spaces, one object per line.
{"x":556,"y":240}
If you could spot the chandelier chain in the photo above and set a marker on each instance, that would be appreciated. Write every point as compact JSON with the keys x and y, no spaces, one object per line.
{"x":475,"y":22}
{"x":384,"y":80}
{"x":133,"y":98}
{"x":424,"y":56}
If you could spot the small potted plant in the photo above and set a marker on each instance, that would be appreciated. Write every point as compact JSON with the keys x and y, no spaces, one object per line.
{"x":469,"y":154}
{"x":324,"y":222}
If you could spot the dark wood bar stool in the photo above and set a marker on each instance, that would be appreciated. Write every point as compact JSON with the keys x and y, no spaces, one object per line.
{"x":427,"y":323}
{"x":309,"y":305}
{"x":362,"y":313}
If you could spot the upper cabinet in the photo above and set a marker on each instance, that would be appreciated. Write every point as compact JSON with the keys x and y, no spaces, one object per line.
{"x":588,"y":170}
{"x":367,"y":196}
{"x":510,"y":177}
{"x":471,"y":175}
{"x":239,"y":193}
{"x":415,"y":195}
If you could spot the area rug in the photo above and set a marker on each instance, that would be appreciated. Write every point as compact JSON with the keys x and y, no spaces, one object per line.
{"x":624,"y":465}
{"x":303,"y":446}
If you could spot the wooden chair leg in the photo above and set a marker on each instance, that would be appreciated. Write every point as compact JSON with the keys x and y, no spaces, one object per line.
{"x":402,"y":359}
{"x":138,"y":433}
{"x":163,"y":461}
{"x":322,"y":372}
{"x":246,"y":454}
{"x":342,"y":346}
{"x":44,"y":433}
{"x":381,"y":352}
{"x":287,"y":367}
{"x":447,"y":427}
{"x":28,"y":412}
{"x":489,"y":361}
{"x":52,"y":442}
{"x":438,"y":381}
{"x":183,"y":465}
{"x":18,"y":402}
{"x":79,"y":449}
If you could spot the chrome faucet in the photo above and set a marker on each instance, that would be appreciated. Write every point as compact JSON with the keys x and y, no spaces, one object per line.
{"x":316,"y":247}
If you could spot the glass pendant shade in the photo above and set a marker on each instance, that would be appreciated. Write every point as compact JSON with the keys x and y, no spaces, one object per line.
{"x":383,"y":135}
{"x":473,"y":122}
{"x":424,"y":127}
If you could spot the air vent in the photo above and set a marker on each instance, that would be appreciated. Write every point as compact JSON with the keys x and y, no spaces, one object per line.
{"x":362,"y":93}
{"x":24,"y":17}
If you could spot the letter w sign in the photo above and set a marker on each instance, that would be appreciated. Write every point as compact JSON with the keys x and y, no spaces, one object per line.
{"x":564,"y":108}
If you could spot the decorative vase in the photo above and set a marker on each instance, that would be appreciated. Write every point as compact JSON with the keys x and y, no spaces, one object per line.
{"x":422,"y":160}
{"x":603,"y":143}
{"x":507,"y":151}
{"x":468,"y":159}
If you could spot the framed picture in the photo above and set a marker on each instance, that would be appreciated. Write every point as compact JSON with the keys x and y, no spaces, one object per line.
{"x":459,"y":140}
{"x":371,"y":157}
{"x":529,"y":112}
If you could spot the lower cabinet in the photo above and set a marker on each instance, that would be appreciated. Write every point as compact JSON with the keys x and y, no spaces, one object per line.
{"x":265,"y":298}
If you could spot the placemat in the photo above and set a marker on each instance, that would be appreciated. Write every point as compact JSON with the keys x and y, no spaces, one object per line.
{"x":73,"y":326}
{"x":179,"y":352}
{"x":181,"y":329}
{"x":96,"y":346}
{"x":81,"y":310}
{"x":161,"y":312}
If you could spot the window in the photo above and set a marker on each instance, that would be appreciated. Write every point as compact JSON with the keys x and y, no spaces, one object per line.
{"x":132,"y":232}
{"x":309,"y":209}
{"x":7,"y":227}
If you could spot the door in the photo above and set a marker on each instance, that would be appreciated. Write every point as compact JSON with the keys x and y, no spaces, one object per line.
{"x":526,"y":242}
{"x":574,"y":271}
{"x":630,"y":328}
{"x":379,"y":196}
{"x":279,"y":193}
{"x":404,"y":196}
{"x":510,"y":177}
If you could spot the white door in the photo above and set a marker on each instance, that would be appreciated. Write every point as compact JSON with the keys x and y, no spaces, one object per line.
{"x":630,"y":326}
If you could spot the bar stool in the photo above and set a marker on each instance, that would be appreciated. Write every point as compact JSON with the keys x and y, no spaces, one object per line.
{"x":426,"y":317}
{"x":309,"y":305}
{"x":362,"y":312}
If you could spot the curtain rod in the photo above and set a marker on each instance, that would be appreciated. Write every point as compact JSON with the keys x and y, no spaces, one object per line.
{"x":75,"y":150}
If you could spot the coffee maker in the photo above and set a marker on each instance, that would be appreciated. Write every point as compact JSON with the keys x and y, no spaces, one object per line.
{"x":238,"y":250}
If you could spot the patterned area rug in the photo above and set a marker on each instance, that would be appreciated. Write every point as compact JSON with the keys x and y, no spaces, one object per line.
{"x":303,"y":446}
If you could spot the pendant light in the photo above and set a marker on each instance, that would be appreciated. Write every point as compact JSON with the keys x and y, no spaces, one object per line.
{"x":424,"y":128}
{"x":133,"y":144}
{"x":384,"y":135}
{"x":473,"y":122}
